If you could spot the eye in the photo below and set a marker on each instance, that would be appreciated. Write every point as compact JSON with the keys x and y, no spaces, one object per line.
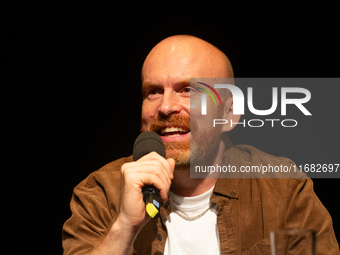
{"x":153,"y":94}
{"x":187,"y":90}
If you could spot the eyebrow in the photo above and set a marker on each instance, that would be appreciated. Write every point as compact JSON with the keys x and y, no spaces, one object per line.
{"x":147,"y":85}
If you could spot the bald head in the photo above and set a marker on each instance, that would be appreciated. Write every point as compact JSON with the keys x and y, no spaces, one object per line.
{"x":168,"y":94}
{"x":185,"y":57}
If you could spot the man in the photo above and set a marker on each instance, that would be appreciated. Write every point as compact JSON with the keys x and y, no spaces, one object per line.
{"x":201,"y":215}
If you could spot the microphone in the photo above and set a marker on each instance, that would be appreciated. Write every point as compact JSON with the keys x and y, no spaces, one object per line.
{"x":145,"y":143}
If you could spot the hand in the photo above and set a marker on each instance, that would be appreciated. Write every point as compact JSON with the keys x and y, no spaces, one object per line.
{"x":152,"y":169}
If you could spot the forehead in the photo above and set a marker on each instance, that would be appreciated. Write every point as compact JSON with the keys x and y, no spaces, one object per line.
{"x":167,"y":70}
{"x":171,"y":68}
{"x":177,"y":59}
{"x":176,"y":84}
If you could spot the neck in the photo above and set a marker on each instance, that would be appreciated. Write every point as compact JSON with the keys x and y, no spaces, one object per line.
{"x":185,"y":186}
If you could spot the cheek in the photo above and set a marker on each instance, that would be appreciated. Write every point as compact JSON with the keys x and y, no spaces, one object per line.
{"x":145,"y":122}
{"x":150,"y":107}
{"x":148,"y":115}
{"x":203,"y":120}
{"x":186,"y":105}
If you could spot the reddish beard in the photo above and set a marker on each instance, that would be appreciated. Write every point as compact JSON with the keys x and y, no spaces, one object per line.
{"x":180,"y":150}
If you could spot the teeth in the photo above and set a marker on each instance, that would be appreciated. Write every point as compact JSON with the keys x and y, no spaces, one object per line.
{"x":173,"y":129}
{"x":172,"y":135}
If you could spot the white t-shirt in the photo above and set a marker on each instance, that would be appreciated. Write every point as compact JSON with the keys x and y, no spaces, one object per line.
{"x":192,"y":237}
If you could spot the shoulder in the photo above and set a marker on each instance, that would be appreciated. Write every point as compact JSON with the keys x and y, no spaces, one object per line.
{"x":258,"y":155}
{"x":276,"y":178}
{"x":264,"y":165}
{"x":106,"y":179}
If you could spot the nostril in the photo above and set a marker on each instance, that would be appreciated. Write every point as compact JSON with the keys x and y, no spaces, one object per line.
{"x":170,"y":103}
{"x":169,"y":109}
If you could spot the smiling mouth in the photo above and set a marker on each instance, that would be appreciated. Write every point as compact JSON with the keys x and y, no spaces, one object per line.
{"x":173,"y":131}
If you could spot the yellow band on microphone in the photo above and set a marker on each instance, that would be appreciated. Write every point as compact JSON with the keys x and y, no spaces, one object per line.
{"x":151,"y":210}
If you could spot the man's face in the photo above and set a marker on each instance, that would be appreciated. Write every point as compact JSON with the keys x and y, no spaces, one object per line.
{"x":166,"y":99}
{"x":166,"y":111}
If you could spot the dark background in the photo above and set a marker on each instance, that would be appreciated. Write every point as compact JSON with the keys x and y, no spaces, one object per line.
{"x":70,"y":88}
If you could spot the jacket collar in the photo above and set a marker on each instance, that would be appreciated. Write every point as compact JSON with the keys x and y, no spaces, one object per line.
{"x":233,"y":156}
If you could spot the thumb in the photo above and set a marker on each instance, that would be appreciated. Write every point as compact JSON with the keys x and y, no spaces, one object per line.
{"x":172,"y":165}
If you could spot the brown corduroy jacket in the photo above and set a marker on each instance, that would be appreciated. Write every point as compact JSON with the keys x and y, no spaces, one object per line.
{"x":248,"y":209}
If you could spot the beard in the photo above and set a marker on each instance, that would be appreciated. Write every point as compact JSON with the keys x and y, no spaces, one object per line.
{"x":204,"y":144}
{"x":201,"y":146}
{"x":179,"y":150}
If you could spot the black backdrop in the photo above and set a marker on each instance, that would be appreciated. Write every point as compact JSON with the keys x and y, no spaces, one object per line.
{"x":71,"y":89}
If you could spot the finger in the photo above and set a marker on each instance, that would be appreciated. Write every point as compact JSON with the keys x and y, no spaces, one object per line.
{"x":142,"y":179}
{"x":155,"y":156}
{"x":172,"y":163}
{"x":152,"y":167}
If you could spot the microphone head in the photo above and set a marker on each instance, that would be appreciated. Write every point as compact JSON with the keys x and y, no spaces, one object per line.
{"x":147,"y":142}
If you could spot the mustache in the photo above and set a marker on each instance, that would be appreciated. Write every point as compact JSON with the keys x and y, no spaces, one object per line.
{"x":170,"y":121}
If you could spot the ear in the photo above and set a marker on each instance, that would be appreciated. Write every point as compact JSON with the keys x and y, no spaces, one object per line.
{"x":229,"y":116}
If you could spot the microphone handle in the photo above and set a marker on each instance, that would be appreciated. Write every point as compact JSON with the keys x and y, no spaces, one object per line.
{"x":152,"y":200}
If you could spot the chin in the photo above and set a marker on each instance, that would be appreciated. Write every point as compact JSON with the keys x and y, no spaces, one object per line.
{"x":181,"y":157}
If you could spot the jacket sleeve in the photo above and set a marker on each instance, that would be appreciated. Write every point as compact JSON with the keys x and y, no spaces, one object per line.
{"x":305,"y":211}
{"x":89,"y":221}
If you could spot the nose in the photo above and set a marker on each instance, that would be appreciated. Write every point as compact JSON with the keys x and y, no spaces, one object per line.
{"x":170,"y":103}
